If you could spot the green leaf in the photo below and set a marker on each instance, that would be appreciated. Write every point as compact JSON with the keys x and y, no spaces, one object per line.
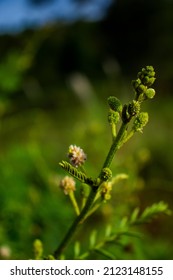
{"x":77,"y":248}
{"x":93,"y":238}
{"x":134,"y":215}
{"x":154,"y":210}
{"x":108,"y":230}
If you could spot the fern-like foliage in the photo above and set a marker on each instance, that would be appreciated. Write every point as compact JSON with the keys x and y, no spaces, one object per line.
{"x":149,"y":213}
{"x":124,"y":229}
{"x":79,"y":175}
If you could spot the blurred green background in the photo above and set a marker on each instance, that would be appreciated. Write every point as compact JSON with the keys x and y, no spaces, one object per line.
{"x":54,"y":83}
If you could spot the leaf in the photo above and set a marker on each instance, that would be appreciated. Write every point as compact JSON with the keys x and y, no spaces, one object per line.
{"x":77,"y":248}
{"x":155,"y":209}
{"x":123,"y":222}
{"x":93,"y":238}
{"x":134,"y":215}
{"x":108,"y":230}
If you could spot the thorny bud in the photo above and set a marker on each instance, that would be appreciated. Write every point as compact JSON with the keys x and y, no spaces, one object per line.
{"x":68,"y":185}
{"x":76,"y":155}
{"x":106,"y":189}
{"x":140,"y":121}
{"x":115,"y":104}
{"x":106,"y":174}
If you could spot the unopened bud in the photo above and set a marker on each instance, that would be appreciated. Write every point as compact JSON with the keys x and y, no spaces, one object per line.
{"x":150,"y":93}
{"x":115,"y":104}
{"x":140,"y":121}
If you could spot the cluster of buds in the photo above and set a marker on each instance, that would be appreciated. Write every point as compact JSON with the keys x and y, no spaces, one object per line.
{"x":142,"y":85}
{"x":140,"y":121}
{"x":115,"y":109}
{"x":76,"y":155}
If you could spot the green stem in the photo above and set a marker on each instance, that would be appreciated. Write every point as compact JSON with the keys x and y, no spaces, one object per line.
{"x":79,"y":219}
{"x":74,"y":203}
{"x":115,"y":145}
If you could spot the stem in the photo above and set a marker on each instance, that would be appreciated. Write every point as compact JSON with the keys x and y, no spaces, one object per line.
{"x":113,"y":129}
{"x":74,"y":202}
{"x":79,"y":219}
{"x":115,"y":145}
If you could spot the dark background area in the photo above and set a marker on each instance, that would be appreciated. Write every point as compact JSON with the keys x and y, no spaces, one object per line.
{"x":54,"y":82}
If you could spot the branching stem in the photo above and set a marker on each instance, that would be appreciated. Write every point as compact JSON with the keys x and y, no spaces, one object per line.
{"x":79,"y":219}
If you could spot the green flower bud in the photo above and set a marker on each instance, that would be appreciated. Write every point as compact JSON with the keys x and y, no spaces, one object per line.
{"x":106,"y":190}
{"x":113,"y":117}
{"x":115,"y":104}
{"x":150,"y":93}
{"x":141,"y":89}
{"x":106,"y":174}
{"x":147,"y":76}
{"x":140,"y":121}
{"x":133,"y":108}
{"x":130,"y":110}
{"x":148,"y":81}
{"x":136,"y":83}
{"x":149,"y":70}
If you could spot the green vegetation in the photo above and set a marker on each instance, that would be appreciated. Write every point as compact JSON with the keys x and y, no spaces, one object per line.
{"x":54,"y":83}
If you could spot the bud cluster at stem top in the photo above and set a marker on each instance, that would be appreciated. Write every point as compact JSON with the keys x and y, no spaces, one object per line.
{"x":142,"y":85}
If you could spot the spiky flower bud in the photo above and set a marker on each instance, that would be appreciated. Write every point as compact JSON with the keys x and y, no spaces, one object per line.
{"x":140,"y":121}
{"x":113,"y":117}
{"x":115,"y":104}
{"x":133,"y":108}
{"x":130,"y":110}
{"x":106,"y":174}
{"x":76,"y":155}
{"x":68,"y":185}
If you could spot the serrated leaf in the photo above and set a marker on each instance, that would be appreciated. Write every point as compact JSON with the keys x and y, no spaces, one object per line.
{"x":155,"y":209}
